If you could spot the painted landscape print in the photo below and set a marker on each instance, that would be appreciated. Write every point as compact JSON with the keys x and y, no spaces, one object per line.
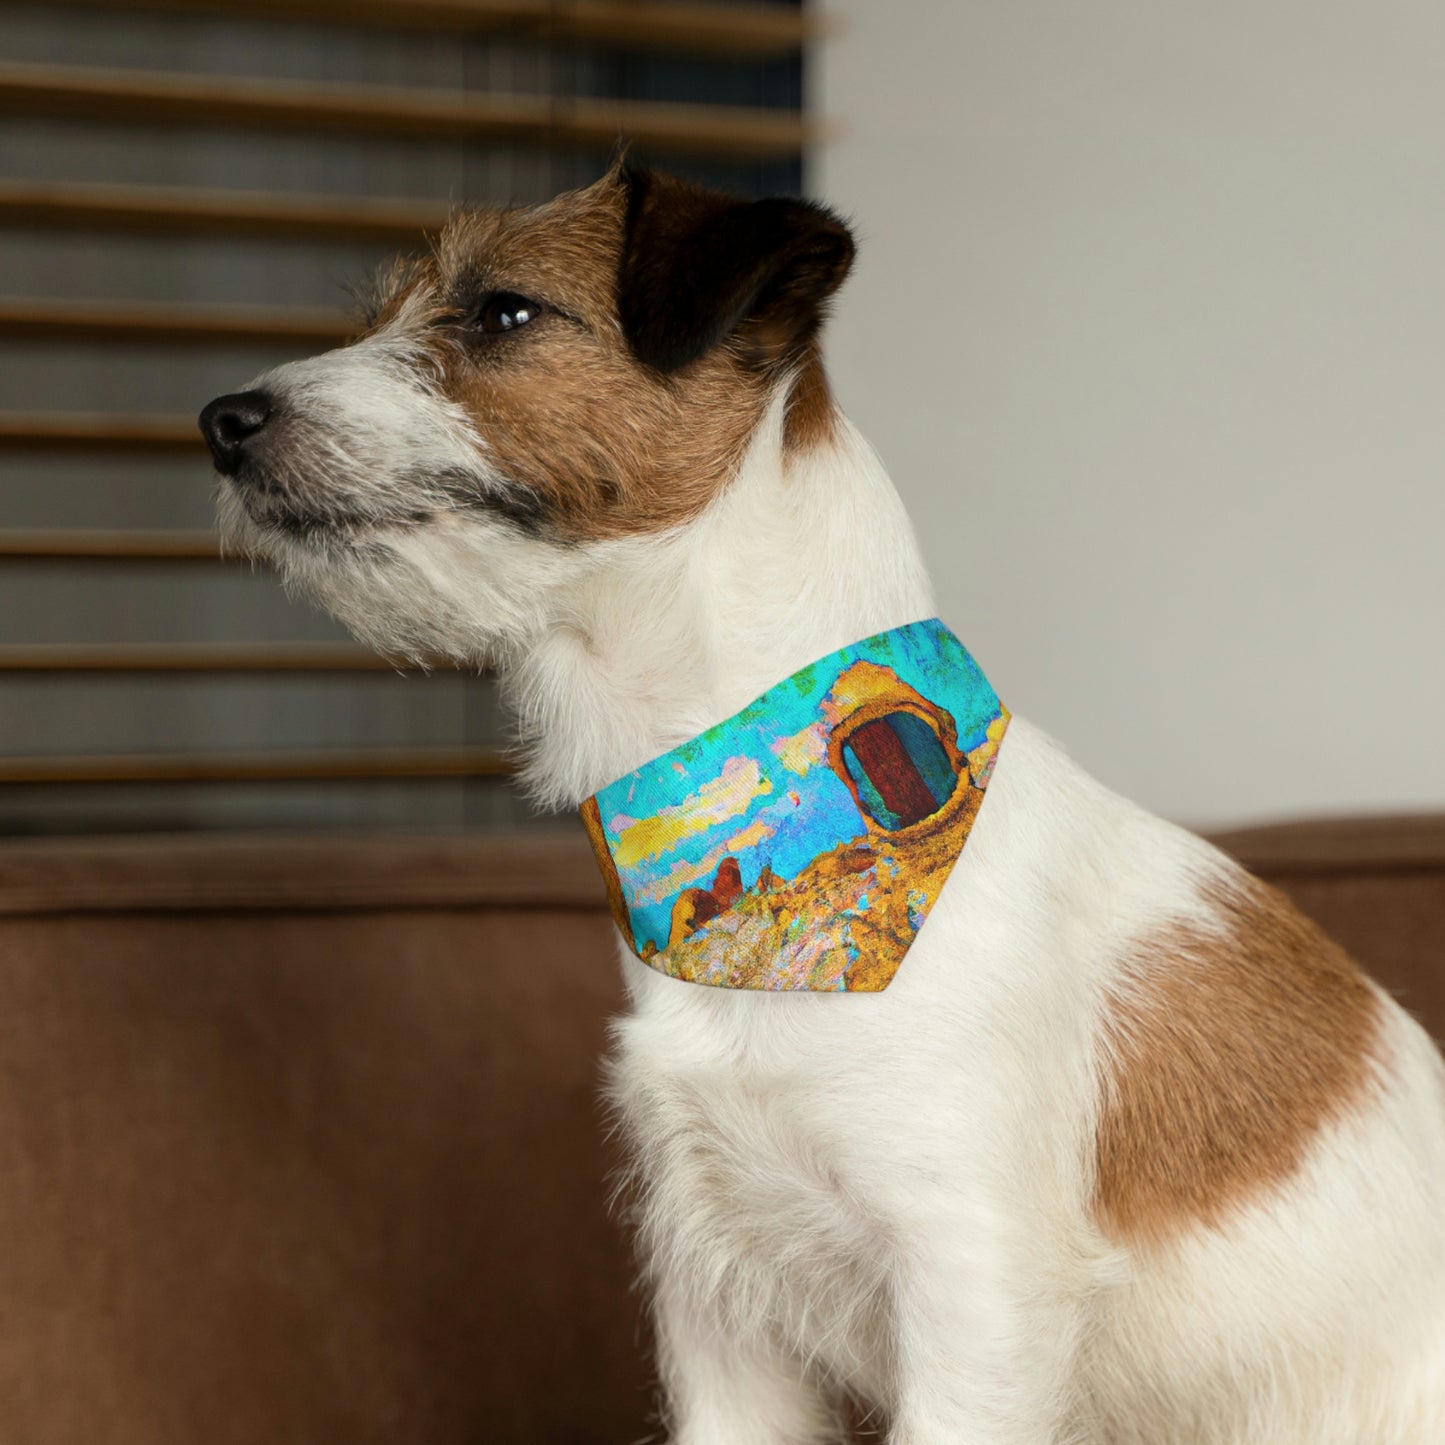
{"x":800,"y":844}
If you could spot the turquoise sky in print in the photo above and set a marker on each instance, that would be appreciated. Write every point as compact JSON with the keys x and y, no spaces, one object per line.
{"x":758,"y":786}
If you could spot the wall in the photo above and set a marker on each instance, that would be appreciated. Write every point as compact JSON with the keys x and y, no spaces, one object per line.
{"x":1149,"y":324}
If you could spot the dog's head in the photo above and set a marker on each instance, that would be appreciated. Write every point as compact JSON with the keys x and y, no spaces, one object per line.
{"x":546,"y":382}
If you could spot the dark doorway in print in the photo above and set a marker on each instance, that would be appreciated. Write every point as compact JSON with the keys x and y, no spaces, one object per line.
{"x":900,"y":769}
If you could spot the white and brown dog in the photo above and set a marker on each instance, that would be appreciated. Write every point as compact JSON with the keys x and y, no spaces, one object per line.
{"x":1128,"y":1152}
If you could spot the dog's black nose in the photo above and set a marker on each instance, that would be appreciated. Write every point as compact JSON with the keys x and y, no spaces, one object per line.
{"x":229,"y":422}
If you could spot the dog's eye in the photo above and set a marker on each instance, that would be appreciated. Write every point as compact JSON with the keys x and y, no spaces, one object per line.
{"x":505,"y":311}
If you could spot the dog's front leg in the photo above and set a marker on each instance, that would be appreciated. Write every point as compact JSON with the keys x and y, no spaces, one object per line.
{"x":722,"y":1387}
{"x":985,"y":1348}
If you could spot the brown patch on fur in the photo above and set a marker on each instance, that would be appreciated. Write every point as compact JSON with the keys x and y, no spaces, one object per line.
{"x":812,"y":414}
{"x":595,"y":442}
{"x":1230,"y":1050}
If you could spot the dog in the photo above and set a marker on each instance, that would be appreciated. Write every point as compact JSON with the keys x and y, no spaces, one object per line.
{"x":1127,"y":1153}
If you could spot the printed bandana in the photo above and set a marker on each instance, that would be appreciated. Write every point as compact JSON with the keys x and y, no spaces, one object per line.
{"x":801,"y":843}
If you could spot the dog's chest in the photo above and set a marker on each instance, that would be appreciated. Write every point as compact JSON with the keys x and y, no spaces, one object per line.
{"x":750,"y":1178}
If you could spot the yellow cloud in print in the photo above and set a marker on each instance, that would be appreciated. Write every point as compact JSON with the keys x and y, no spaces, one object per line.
{"x":803,"y":749}
{"x":683,"y":874}
{"x":756,"y":832}
{"x":726,"y":796}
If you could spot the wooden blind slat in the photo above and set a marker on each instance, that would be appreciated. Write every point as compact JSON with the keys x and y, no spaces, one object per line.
{"x":753,"y":31}
{"x":176,"y":211}
{"x":109,"y":546}
{"x":169,"y":323}
{"x":160,"y":98}
{"x":258,"y":767}
{"x":705,"y":29}
{"x":94,"y":431}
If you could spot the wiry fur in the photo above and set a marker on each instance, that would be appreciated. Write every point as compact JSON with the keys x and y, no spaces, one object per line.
{"x":895,"y":1196}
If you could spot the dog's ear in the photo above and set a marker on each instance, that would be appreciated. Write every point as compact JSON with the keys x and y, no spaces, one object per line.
{"x":699,"y":267}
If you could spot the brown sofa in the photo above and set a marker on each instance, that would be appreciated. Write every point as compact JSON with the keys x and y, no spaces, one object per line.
{"x":300,"y":1142}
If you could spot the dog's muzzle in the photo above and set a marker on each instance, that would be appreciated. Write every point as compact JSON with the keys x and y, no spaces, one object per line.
{"x":231,"y":424}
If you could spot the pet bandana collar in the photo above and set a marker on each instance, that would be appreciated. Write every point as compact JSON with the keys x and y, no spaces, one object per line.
{"x":800,"y":844}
